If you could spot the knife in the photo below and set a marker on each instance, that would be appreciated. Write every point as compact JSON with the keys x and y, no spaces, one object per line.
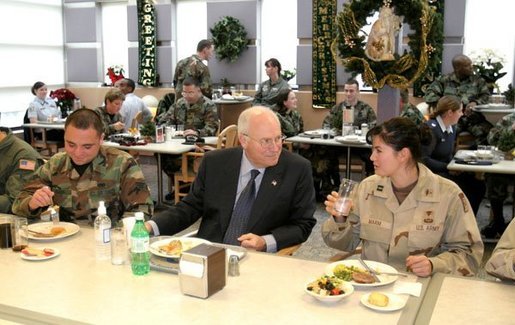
{"x":373,"y":273}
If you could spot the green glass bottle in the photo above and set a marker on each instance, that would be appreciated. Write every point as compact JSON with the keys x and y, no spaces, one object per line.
{"x":140,"y":255}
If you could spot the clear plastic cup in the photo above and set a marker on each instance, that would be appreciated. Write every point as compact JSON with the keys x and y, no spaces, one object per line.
{"x":344,"y":202}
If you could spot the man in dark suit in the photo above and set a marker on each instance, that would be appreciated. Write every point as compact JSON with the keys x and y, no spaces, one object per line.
{"x":281,"y":214}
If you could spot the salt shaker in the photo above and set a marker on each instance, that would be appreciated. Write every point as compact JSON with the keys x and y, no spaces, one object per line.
{"x":234,"y":266}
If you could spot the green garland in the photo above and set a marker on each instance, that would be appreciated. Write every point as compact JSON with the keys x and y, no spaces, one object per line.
{"x":229,"y":38}
{"x":425,"y":43}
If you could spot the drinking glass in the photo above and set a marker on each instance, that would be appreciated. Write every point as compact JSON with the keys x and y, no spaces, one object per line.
{"x":5,"y":232}
{"x":344,"y":202}
{"x":20,"y":233}
{"x":118,"y":246}
{"x":484,"y":152}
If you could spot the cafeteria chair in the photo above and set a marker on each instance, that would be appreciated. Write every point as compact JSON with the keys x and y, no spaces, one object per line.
{"x":44,"y":145}
{"x":190,"y":162}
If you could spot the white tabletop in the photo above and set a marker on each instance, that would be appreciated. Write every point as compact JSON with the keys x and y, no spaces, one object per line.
{"x":327,"y":142}
{"x":233,"y":101}
{"x":502,"y":167}
{"x":459,"y":300}
{"x":74,"y":286}
{"x":173,"y":147}
{"x":49,"y":125}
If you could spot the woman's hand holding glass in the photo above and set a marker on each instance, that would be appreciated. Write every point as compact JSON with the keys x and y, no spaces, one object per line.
{"x":334,"y":202}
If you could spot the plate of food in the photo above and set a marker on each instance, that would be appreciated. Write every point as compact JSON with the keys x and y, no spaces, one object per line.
{"x":355,"y":273}
{"x":351,"y":139}
{"x":381,"y":301}
{"x":38,"y":254}
{"x":48,"y":231}
{"x":173,"y":247}
{"x":328,"y":289}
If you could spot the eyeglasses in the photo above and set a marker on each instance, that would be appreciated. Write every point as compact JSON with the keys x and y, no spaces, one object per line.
{"x":268,"y":142}
{"x":189,"y":93}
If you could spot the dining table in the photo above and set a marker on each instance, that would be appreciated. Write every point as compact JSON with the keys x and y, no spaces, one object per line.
{"x":75,"y":288}
{"x":316,"y":137}
{"x":175,"y":146}
{"x":502,"y":166}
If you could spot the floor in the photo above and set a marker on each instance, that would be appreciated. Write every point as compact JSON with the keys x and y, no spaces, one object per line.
{"x":314,"y":248}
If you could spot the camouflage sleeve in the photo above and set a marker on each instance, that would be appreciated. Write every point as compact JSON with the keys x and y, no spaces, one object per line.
{"x":258,"y":96}
{"x":287,"y":128}
{"x":165,"y":103}
{"x":205,"y":82}
{"x":41,"y":177}
{"x":434,"y":91}
{"x":371,"y":115}
{"x":333,"y":120}
{"x":135,"y":194}
{"x":211,"y":121}
{"x":506,"y":123}
{"x":15,"y":182}
{"x":483,"y":95}
{"x":301,"y":122}
{"x":502,"y":262}
{"x":461,"y":243}
{"x":166,"y":117}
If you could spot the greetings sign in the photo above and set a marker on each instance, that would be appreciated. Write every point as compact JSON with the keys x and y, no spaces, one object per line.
{"x":147,"y":43}
{"x":324,"y":65}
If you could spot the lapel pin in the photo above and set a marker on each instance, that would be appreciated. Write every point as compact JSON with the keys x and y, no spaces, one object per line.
{"x":274,"y":182}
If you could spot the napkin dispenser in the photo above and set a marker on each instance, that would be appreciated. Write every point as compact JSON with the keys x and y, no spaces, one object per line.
{"x":202,"y":270}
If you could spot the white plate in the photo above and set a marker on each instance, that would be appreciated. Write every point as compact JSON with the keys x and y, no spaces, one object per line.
{"x":345,"y":286}
{"x":40,"y":258}
{"x":187,"y":243}
{"x":351,"y":139}
{"x":44,"y":227}
{"x":394,"y":302}
{"x":243,"y":97}
{"x":379,"y":267}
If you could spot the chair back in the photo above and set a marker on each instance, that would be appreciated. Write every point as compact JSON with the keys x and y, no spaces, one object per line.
{"x":228,"y":138}
{"x":138,"y":118}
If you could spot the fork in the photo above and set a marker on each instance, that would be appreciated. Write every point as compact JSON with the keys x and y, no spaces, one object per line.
{"x":372,"y":272}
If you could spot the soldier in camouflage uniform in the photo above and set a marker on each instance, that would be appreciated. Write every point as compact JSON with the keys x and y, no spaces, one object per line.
{"x":196,"y":112}
{"x":19,"y":161}
{"x":409,"y":110}
{"x":290,"y":119}
{"x":325,"y":161}
{"x":497,"y":184}
{"x":471,"y":89}
{"x":193,"y":67}
{"x":86,"y":173}
{"x":269,"y":90}
{"x":405,"y":215}
{"x":109,"y":113}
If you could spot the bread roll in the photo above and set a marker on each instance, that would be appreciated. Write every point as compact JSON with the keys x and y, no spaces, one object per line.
{"x":378,"y":299}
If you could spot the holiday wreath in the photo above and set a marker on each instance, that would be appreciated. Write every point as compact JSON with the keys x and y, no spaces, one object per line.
{"x":425,"y":42}
{"x":229,"y":38}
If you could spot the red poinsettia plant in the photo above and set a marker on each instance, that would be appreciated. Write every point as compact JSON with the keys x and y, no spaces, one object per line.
{"x":64,"y":99}
{"x":115,"y":73}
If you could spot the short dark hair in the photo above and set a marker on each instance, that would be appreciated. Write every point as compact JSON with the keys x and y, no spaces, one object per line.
{"x":274,"y":63}
{"x":205,"y":43}
{"x":282,"y":97}
{"x":352,"y":82}
{"x":130,"y":83}
{"x":36,"y":86}
{"x":189,"y":81}
{"x":401,"y":132}
{"x":85,"y":118}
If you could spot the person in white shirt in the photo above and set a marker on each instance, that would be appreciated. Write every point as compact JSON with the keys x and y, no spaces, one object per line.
{"x":132,"y":104}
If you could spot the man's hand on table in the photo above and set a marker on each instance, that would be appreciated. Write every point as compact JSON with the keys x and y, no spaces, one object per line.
{"x":252,"y":241}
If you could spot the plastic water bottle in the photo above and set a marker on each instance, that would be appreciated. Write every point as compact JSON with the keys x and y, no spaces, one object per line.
{"x":102,"y":233}
{"x":140,"y":256}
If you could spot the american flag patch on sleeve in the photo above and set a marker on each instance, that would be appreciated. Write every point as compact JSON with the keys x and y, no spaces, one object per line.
{"x":26,"y":164}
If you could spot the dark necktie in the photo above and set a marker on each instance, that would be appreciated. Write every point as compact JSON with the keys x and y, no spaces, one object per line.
{"x":241,"y":213}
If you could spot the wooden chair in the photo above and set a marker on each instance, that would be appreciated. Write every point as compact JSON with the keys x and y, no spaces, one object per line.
{"x":228,"y":138}
{"x":138,"y":118}
{"x":464,"y":141}
{"x":288,"y":145}
{"x":42,"y":145}
{"x":288,"y":251}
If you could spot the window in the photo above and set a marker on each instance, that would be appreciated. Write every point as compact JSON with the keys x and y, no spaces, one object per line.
{"x":279,"y":34}
{"x":489,"y":25}
{"x":28,"y":52}
{"x":114,"y":37}
{"x":191,"y":26}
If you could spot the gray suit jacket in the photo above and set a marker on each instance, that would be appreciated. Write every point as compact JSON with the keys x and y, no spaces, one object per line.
{"x":284,"y":205}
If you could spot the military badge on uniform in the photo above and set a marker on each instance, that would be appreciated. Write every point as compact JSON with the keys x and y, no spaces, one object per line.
{"x":464,"y":202}
{"x":26,"y":164}
{"x":429,"y":217}
{"x":379,"y":188}
{"x":429,"y":192}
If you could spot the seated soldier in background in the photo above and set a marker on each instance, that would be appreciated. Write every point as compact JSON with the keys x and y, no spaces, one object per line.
{"x":268,"y":91}
{"x":19,"y":161}
{"x":86,"y":173}
{"x":471,"y":89}
{"x":198,"y":115}
{"x":497,"y":184}
{"x":110,"y":112}
{"x":409,"y":110}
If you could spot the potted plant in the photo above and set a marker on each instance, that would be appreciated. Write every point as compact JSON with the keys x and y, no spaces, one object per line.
{"x":64,"y":99}
{"x":288,"y":74}
{"x":229,"y":38}
{"x":510,"y":95}
{"x":488,"y":65}
{"x":148,"y":131}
